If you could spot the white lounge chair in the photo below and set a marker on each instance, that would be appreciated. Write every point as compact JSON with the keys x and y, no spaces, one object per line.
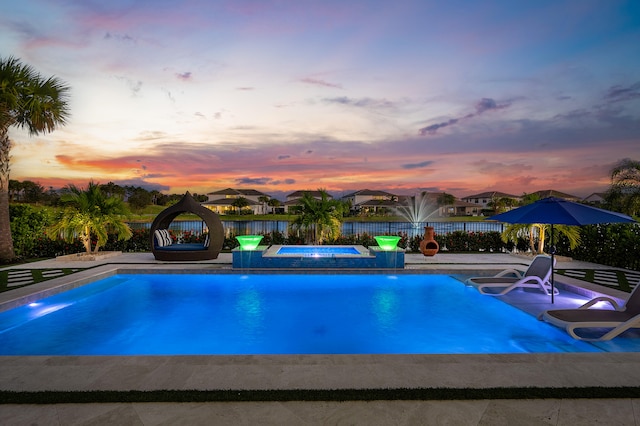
{"x":618,"y":320}
{"x":537,"y":276}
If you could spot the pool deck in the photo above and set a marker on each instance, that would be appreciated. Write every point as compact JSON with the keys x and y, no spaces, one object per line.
{"x":323,"y":372}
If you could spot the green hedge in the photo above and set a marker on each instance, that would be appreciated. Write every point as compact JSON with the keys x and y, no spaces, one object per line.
{"x":616,"y":245}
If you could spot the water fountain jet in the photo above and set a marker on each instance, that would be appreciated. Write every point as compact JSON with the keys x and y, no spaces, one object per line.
{"x":417,"y":210}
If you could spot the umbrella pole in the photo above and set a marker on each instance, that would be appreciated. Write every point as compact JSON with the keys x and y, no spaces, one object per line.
{"x":552,"y":250}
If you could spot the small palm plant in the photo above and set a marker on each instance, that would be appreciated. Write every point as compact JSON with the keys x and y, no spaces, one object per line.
{"x":538,"y":231}
{"x":89,"y":214}
{"x":321,"y":218}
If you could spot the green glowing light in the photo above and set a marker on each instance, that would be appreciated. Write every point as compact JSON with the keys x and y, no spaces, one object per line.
{"x":387,"y":242}
{"x":249,"y":242}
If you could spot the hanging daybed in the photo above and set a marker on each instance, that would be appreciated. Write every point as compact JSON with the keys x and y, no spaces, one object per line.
{"x":164,"y":248}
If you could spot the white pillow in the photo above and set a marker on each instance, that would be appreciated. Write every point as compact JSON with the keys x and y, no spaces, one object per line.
{"x":163,"y":237}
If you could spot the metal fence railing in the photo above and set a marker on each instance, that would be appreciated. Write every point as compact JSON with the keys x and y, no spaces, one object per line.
{"x":255,"y":227}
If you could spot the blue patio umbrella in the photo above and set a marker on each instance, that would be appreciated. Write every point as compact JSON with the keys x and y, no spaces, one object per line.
{"x":557,"y":211}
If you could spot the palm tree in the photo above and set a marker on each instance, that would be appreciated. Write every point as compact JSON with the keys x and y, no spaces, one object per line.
{"x":264,"y":199}
{"x":89,"y":214}
{"x":319,"y":217}
{"x":29,"y":101}
{"x":445,"y":199}
{"x":273,"y":203}
{"x":240,"y":203}
{"x":624,"y":193}
{"x":538,"y":231}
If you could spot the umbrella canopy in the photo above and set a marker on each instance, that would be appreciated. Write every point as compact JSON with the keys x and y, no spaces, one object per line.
{"x":556,"y":211}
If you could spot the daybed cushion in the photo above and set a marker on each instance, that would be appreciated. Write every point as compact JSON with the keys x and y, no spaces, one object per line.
{"x":182,"y":247}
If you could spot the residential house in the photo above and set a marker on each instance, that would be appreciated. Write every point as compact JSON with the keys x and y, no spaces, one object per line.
{"x":292,"y":199}
{"x":461,"y":208}
{"x":557,"y":194}
{"x":431,"y":201}
{"x":596,"y":198}
{"x":484,"y":198}
{"x":222,"y":201}
{"x":365,"y":202}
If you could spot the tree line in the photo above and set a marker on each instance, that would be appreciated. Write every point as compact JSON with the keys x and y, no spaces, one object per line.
{"x":137,"y":197}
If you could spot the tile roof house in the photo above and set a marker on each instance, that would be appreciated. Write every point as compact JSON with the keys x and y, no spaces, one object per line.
{"x":553,"y":193}
{"x":595,"y":198}
{"x":486,"y":197}
{"x":292,"y":199}
{"x":461,"y":208}
{"x":368,"y":201}
{"x":222,"y":201}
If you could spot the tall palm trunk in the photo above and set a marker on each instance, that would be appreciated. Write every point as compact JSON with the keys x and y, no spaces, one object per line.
{"x":86,"y":239}
{"x":6,"y":242}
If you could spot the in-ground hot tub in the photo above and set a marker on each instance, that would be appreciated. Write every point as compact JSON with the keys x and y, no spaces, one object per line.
{"x":311,"y":257}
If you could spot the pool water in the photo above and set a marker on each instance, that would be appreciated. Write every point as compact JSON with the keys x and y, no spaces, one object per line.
{"x":189,"y":314}
{"x":318,"y":251}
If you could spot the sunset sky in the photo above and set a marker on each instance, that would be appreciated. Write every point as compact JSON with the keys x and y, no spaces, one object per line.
{"x":284,"y":95}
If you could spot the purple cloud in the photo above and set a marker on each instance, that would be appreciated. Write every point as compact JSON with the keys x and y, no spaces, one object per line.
{"x":483,"y":105}
{"x":253,"y":181}
{"x":317,"y":82}
{"x":283,"y":182}
{"x":487,"y":104}
{"x":126,"y":37}
{"x":184,"y":76}
{"x":262,"y":181}
{"x":619,"y":94}
{"x":417,"y":165}
{"x":431,"y":130}
{"x":362,"y":102}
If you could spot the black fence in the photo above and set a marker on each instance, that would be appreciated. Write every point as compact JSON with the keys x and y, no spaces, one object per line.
{"x":259,"y":227}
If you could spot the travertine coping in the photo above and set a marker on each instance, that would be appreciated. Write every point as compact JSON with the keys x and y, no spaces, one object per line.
{"x":33,"y":373}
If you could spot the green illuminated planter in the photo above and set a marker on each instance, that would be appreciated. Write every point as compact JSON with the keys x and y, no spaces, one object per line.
{"x":387,"y":242}
{"x":249,"y":242}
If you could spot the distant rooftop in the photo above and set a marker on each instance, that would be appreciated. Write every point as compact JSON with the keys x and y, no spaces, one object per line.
{"x":232,"y":191}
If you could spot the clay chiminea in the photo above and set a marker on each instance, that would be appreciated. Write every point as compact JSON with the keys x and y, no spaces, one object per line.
{"x":429,"y":246}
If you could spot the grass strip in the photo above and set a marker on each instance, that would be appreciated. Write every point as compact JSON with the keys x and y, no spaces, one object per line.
{"x":310,"y":395}
{"x":590,"y":276}
{"x":37,"y":276}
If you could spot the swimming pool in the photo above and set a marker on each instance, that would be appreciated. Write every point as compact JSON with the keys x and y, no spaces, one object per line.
{"x":233,"y":314}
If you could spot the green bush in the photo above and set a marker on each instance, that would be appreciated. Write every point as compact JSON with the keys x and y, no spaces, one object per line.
{"x":139,"y":242}
{"x":462,"y":241}
{"x":615,"y":245}
{"x":456,"y":241}
{"x":27,"y":227}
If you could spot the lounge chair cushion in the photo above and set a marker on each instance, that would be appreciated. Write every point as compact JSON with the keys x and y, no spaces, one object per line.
{"x":617,"y":318}
{"x":536,"y":276}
